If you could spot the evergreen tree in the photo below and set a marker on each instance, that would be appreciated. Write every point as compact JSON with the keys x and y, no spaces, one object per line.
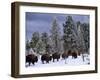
{"x":40,"y":46}
{"x":45,"y":39}
{"x":27,"y":45}
{"x":85,"y":27}
{"x":82,"y":37}
{"x":69,"y":36}
{"x":55,"y":35}
{"x":34,"y":40}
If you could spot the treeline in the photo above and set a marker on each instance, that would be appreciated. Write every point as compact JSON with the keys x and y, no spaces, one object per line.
{"x":74,"y":36}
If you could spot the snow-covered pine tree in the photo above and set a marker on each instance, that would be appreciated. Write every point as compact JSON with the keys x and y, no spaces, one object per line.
{"x":69,"y":34}
{"x":40,"y":47}
{"x":45,"y":39}
{"x":55,"y":35}
{"x":27,"y":45}
{"x":35,"y":39}
{"x":81,"y":45}
{"x":85,"y":27}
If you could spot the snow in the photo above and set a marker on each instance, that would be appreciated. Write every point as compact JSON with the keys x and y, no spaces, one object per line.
{"x":68,"y":62}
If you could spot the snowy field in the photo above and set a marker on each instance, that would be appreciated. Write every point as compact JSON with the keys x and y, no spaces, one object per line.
{"x":68,"y":62}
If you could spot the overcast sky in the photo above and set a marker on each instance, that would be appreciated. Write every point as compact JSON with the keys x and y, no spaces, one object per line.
{"x":42,"y":22}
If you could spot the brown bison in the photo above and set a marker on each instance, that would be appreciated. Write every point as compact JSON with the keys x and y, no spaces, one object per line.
{"x":46,"y":57}
{"x":69,"y":53}
{"x":66,"y":54}
{"x":74,"y":54}
{"x":79,"y":53}
{"x":31,"y":58}
{"x":56,"y":56}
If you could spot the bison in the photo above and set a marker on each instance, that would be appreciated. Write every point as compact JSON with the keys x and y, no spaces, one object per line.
{"x":31,"y":58}
{"x":66,"y":54}
{"x":74,"y":54}
{"x":56,"y":56}
{"x":46,"y":57}
{"x":69,"y":53}
{"x":79,"y":53}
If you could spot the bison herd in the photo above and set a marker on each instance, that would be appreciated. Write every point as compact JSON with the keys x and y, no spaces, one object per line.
{"x":46,"y":58}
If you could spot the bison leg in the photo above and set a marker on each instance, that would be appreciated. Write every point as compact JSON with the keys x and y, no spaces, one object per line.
{"x":47,"y":61}
{"x":33,"y":63}
{"x":29,"y":63}
{"x":42,"y":62}
{"x":76,"y":56}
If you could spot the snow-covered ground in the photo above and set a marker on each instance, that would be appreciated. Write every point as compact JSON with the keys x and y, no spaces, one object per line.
{"x":68,"y":62}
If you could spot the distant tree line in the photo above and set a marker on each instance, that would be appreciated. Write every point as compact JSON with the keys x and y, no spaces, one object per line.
{"x":75,"y":37}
